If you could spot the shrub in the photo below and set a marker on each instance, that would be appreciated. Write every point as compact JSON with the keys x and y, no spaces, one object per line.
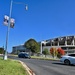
{"x":53,"y":52}
{"x":1,"y":50}
{"x":45,"y":52}
{"x":60,"y":52}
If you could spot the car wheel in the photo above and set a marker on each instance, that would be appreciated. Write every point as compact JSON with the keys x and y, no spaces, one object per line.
{"x":67,"y":62}
{"x":29,"y":57}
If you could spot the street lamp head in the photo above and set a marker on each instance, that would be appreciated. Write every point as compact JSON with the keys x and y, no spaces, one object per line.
{"x":26,"y":7}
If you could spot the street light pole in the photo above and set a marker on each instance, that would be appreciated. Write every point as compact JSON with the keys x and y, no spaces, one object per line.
{"x":8,"y":29}
{"x":9,"y":23}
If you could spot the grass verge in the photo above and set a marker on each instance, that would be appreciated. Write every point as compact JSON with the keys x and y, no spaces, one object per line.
{"x":10,"y":67}
{"x":43,"y":58}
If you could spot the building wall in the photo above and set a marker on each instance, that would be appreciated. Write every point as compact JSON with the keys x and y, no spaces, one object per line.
{"x":67,"y":49}
{"x":17,"y":49}
{"x":67,"y":43}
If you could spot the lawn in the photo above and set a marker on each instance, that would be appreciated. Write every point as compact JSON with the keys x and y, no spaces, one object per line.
{"x":43,"y":58}
{"x":10,"y":67}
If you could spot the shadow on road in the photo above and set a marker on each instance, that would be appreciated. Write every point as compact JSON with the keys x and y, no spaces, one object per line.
{"x":62,"y":64}
{"x":58,"y":63}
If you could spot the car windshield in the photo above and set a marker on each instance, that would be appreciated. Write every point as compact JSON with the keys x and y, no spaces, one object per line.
{"x":27,"y":54}
{"x":73,"y":55}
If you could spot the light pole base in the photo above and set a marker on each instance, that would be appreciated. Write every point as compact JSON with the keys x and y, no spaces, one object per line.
{"x":5,"y":57}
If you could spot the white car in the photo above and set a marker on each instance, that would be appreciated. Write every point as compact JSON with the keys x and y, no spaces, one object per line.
{"x":68,"y":59}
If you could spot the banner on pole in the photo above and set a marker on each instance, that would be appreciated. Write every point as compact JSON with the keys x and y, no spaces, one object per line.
{"x":6,"y":21}
{"x":12,"y":21}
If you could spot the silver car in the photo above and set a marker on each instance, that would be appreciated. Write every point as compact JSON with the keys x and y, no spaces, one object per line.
{"x":68,"y":59}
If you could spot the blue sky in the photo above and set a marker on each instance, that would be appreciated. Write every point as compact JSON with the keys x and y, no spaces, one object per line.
{"x":44,"y":20}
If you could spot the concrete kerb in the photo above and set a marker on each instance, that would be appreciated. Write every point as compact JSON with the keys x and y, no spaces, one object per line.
{"x":27,"y":69}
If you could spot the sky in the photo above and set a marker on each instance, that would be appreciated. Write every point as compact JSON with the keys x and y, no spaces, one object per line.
{"x":45,"y":19}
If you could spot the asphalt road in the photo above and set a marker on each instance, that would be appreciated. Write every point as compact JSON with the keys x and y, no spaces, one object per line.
{"x":47,"y":67}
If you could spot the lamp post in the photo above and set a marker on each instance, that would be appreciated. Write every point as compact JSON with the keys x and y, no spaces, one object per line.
{"x":8,"y":28}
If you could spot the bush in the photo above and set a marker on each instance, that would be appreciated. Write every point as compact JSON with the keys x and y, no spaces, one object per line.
{"x":1,"y":50}
{"x":53,"y":52}
{"x":45,"y":52}
{"x":60,"y":52}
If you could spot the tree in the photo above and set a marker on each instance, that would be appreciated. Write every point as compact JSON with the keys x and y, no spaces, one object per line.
{"x":45,"y":52}
{"x":1,"y":50}
{"x":60,"y":52}
{"x":32,"y":45}
{"x":53,"y":52}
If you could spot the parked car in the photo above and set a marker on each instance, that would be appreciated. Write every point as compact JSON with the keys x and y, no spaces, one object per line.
{"x":24,"y":55}
{"x":68,"y":59}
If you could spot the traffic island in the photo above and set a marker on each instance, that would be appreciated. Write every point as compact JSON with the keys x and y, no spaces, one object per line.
{"x":27,"y":68}
{"x":12,"y":67}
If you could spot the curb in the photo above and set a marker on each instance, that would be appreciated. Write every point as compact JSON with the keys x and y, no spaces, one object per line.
{"x":30,"y":72}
